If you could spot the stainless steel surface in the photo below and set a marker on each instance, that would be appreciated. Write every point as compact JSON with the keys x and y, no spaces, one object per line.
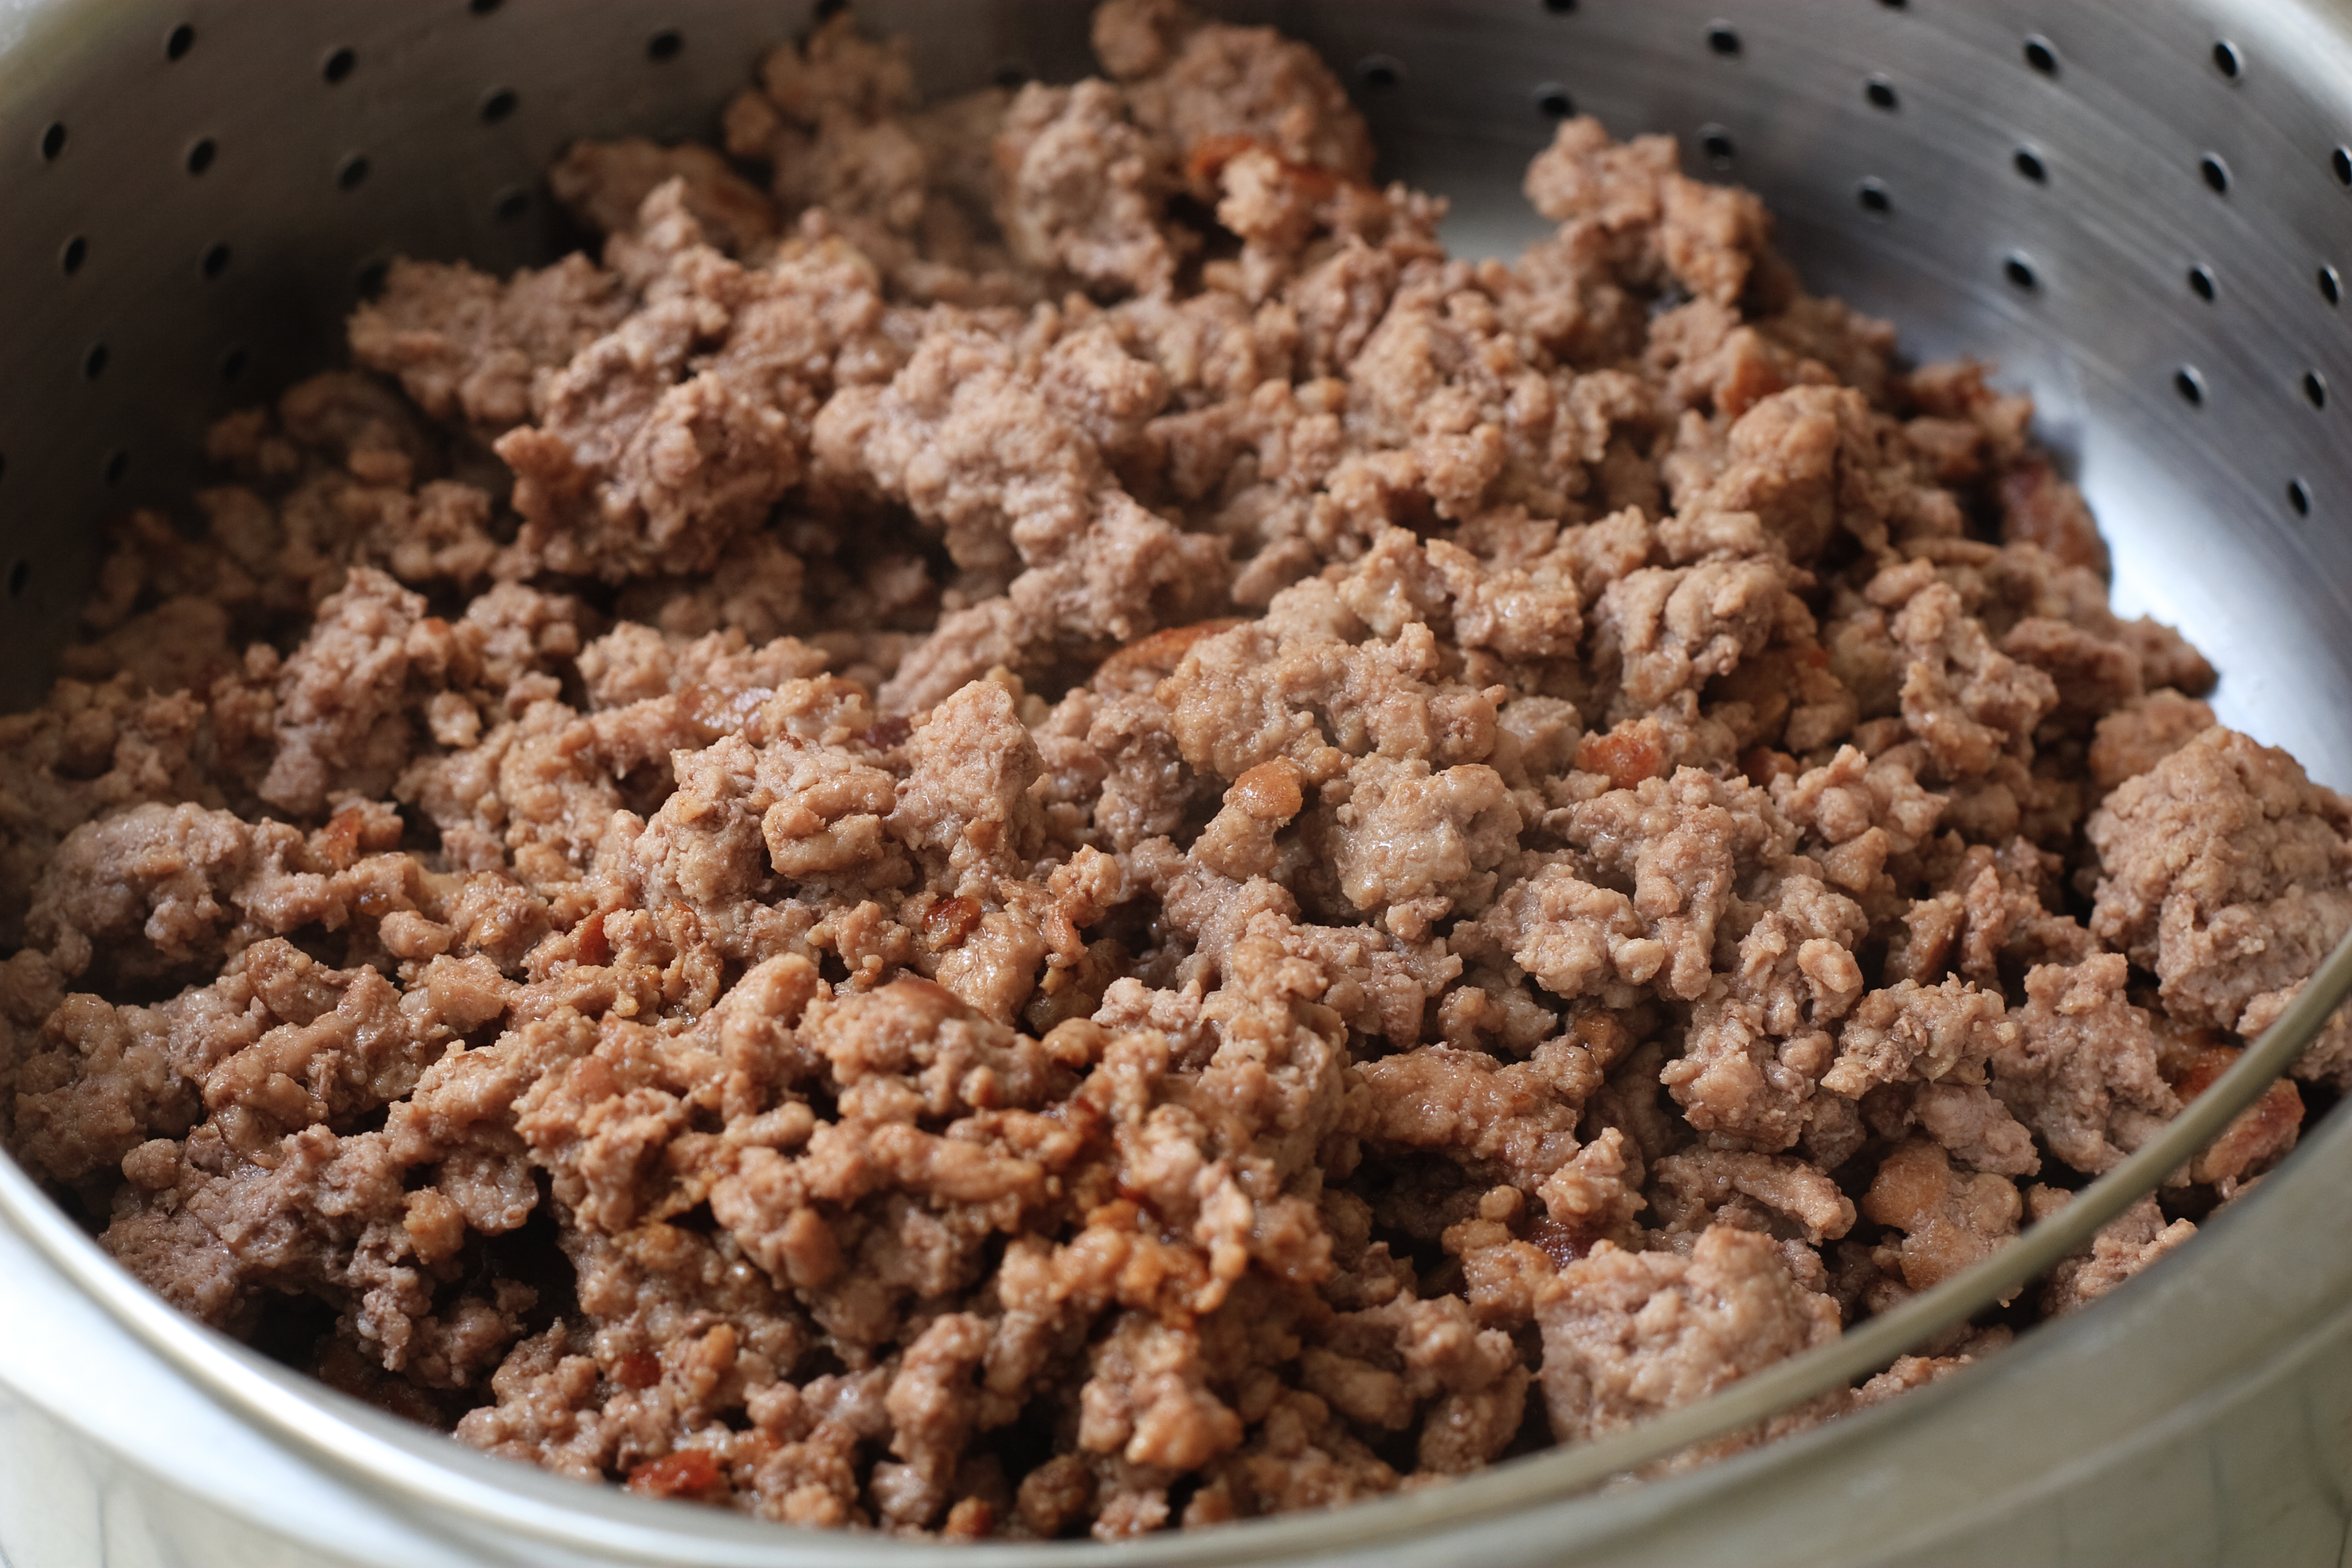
{"x":2201,"y":1415}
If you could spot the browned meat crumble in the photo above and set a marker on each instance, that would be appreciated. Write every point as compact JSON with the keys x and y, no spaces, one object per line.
{"x":1042,"y":831}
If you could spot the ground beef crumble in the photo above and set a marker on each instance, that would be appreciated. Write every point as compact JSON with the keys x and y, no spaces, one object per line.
{"x":1025,"y":826}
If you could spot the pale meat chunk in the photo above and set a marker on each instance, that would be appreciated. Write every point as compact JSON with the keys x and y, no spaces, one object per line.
{"x":2081,"y":1066}
{"x":2122,"y":1248}
{"x":1627,"y":1334}
{"x":2226,"y":871}
{"x":1709,"y":237}
{"x":1079,"y":189}
{"x":2134,"y":738}
{"x":1195,"y":83}
{"x":463,"y":344}
{"x":341,"y":722}
{"x":631,"y":470}
{"x":605,"y":184}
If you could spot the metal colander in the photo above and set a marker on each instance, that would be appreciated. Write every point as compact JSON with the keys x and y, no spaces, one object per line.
{"x":2138,"y":212}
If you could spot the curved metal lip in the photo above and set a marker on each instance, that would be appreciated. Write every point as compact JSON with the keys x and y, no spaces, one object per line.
{"x":428,"y":1472}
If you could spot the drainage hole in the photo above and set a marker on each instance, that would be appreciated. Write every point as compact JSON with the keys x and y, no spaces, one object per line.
{"x":827,"y":10}
{"x":482,"y":7}
{"x":338,"y":65}
{"x":2029,"y":164}
{"x":215,"y":261}
{"x":118,"y":463}
{"x":1380,"y":73}
{"x":2225,"y":60}
{"x":2331,"y":287}
{"x":1553,"y":100}
{"x":2201,"y":283}
{"x":510,"y":203}
{"x":2298,"y":496}
{"x":1723,"y":38}
{"x":2190,"y":386}
{"x":2216,"y":172}
{"x":1872,"y":195}
{"x":368,"y":281}
{"x":498,"y":105}
{"x":665,"y":45}
{"x":352,"y":173}
{"x":1011,"y":75}
{"x":93,"y":363}
{"x":180,"y":40}
{"x":19,"y":573}
{"x":1715,"y":142}
{"x":53,"y":142}
{"x":2041,"y":55}
{"x":232,"y":363}
{"x":1559,"y":7}
{"x":75,"y":252}
{"x":2315,"y":389}
{"x":2020,"y":273}
{"x":201,"y":156}
{"x":1880,"y":92}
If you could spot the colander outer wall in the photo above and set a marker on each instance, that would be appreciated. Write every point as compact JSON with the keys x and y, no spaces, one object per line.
{"x":46,"y":45}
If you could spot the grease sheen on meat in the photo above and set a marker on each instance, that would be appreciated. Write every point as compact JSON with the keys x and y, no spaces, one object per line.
{"x":1025,"y":825}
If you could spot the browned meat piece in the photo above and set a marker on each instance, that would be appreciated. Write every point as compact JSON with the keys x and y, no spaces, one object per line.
{"x":1964,"y":698}
{"x":1691,"y":1190}
{"x":1911,"y":1032}
{"x":98,"y":749}
{"x":1949,"y":1220}
{"x":2260,"y":1135}
{"x":2124,"y":1245}
{"x":155,"y":874}
{"x":1677,"y":628}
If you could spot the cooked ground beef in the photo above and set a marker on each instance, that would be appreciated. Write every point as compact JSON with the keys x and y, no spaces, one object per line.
{"x":1045,"y":831}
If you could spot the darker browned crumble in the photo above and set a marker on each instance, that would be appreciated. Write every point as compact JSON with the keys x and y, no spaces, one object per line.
{"x":953,"y":848}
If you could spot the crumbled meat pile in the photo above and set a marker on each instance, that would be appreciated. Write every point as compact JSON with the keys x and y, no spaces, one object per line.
{"x":1044,"y":831}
